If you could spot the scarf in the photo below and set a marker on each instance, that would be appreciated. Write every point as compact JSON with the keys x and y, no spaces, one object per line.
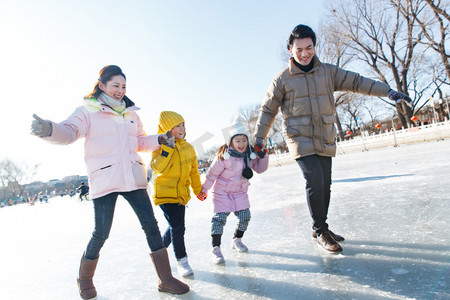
{"x":117,"y":106}
{"x":247,"y":172}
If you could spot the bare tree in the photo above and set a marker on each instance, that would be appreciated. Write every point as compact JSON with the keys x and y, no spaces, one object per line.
{"x":439,"y":8}
{"x":384,"y":37}
{"x":248,"y":115}
{"x":333,"y":48}
{"x":439,"y":73}
{"x":277,"y":128}
{"x":209,"y":153}
{"x":350,"y":110}
{"x":374,"y":111}
{"x":13,"y":176}
{"x":340,"y":98}
{"x":434,"y":22}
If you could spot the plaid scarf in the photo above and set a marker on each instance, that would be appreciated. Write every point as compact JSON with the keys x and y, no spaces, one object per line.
{"x":117,"y":106}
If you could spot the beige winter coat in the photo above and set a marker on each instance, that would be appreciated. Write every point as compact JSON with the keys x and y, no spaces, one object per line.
{"x":308,"y":105}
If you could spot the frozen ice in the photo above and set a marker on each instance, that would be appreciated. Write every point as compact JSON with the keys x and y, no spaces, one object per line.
{"x":392,"y":205}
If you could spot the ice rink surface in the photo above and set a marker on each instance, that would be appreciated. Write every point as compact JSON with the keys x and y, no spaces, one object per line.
{"x":392,"y":205}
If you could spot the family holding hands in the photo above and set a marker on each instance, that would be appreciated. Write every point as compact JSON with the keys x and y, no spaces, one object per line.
{"x":114,"y":134}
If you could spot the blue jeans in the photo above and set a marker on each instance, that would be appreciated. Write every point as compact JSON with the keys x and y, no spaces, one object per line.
{"x":174,"y":234}
{"x":104,"y":212}
{"x":317,"y":172}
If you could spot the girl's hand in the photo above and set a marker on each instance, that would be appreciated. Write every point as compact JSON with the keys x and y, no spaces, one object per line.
{"x":202,"y":196}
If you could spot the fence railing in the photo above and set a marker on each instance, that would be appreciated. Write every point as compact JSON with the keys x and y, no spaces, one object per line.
{"x":392,"y":137}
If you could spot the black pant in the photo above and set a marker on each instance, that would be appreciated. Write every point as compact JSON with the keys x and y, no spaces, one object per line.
{"x":82,"y":194}
{"x":174,"y":214}
{"x":317,"y":172}
{"x":104,"y":212}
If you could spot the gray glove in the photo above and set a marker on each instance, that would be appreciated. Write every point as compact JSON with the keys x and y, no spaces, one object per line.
{"x":167,"y":139}
{"x":399,"y":97}
{"x":40,"y":127}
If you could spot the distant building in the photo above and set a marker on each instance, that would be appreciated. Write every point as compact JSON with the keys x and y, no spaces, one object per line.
{"x":71,"y":178}
{"x":53,"y":182}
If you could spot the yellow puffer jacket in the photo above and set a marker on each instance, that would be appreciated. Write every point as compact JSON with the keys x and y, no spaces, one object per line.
{"x":175,"y":171}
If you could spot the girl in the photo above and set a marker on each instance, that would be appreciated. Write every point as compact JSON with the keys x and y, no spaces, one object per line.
{"x":175,"y":169}
{"x":230,"y":173}
{"x":113,"y":135}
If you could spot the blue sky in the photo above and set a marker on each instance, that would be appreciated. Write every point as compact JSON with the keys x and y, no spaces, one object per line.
{"x":202,"y":59}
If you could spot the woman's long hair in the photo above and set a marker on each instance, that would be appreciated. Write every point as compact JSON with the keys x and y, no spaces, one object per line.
{"x":105,"y":75}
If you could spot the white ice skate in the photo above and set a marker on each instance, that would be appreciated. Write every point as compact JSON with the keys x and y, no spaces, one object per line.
{"x":184,"y":269}
{"x":217,"y":255}
{"x":238,"y":245}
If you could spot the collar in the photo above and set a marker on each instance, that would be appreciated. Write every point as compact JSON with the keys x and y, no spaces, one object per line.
{"x":95,"y":105}
{"x":294,"y":70}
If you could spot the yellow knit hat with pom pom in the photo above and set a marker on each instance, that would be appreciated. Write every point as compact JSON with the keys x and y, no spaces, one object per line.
{"x":168,"y":120}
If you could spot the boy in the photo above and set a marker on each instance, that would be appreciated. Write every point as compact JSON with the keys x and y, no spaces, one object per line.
{"x":175,"y":169}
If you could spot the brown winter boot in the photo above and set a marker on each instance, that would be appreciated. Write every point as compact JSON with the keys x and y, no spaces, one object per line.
{"x":167,"y":283}
{"x":85,"y":285}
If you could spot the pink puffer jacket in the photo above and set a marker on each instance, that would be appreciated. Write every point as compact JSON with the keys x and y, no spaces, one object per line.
{"x":229,"y":193}
{"x":111,"y":144}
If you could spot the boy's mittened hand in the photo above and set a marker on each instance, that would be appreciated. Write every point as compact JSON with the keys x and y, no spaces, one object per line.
{"x":202,"y":196}
{"x":259,"y":147}
{"x":167,"y":139}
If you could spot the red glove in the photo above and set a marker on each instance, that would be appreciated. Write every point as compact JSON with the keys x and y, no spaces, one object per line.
{"x":202,"y":196}
{"x":259,"y":147}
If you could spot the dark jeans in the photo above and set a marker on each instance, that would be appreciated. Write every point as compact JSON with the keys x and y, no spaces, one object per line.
{"x":104,"y":212}
{"x":83,"y":194}
{"x":317,"y":172}
{"x":174,"y":214}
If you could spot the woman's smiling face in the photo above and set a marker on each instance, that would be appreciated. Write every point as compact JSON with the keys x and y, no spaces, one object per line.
{"x":115,"y":88}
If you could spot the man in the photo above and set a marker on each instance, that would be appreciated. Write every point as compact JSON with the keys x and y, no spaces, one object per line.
{"x":84,"y":190}
{"x":304,"y":92}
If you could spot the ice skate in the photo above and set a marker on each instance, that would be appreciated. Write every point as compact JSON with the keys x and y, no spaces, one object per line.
{"x":238,"y":245}
{"x":217,"y":256}
{"x":184,"y":269}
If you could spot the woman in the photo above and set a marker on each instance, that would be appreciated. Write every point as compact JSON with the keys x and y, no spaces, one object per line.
{"x":113,"y":135}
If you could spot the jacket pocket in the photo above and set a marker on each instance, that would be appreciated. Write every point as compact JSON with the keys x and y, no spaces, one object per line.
{"x":105,"y":178}
{"x":139,"y":173}
{"x":165,"y":187}
{"x":299,"y":126}
{"x":329,"y":129}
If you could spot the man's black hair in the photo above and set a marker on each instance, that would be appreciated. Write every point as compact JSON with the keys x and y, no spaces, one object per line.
{"x":300,"y":32}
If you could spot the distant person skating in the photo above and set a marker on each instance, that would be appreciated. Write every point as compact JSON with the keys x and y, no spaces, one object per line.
{"x":84,"y":190}
{"x":175,"y":169}
{"x":229,"y":176}
{"x":304,"y":93}
{"x":113,"y":135}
